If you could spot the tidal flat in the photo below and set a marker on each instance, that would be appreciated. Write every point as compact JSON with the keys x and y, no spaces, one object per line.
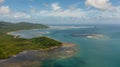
{"x":37,"y":57}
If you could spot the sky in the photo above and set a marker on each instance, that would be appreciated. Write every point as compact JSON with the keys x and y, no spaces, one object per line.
{"x":61,"y":11}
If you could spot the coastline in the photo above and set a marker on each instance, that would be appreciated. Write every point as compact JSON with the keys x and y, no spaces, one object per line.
{"x":63,"y":45}
{"x":66,"y":48}
{"x":15,"y":34}
{"x":63,"y":51}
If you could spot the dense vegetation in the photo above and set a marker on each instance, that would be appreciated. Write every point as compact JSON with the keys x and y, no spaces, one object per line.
{"x":7,"y":26}
{"x":10,"y":46}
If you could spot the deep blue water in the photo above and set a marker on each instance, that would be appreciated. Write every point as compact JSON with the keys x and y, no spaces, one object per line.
{"x":103,"y":51}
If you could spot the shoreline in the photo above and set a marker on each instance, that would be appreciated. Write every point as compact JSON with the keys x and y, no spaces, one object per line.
{"x":64,"y":45}
{"x":15,"y":34}
{"x":51,"y":48}
{"x":24,"y":30}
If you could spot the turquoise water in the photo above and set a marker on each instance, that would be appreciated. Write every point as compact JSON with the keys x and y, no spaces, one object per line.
{"x":98,"y":51}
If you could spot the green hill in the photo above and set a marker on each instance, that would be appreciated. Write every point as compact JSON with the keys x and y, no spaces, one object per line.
{"x":10,"y":46}
{"x":7,"y":26}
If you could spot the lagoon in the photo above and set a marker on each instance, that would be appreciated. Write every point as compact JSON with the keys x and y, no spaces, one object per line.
{"x":100,"y":48}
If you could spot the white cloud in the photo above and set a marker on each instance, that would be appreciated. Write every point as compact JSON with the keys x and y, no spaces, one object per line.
{"x":4,"y":10}
{"x":100,"y":4}
{"x":55,"y":6}
{"x":81,"y":15}
{"x":57,"y":11}
{"x":1,"y":1}
{"x":7,"y":13}
{"x":18,"y":15}
{"x":64,"y":13}
{"x":74,"y":14}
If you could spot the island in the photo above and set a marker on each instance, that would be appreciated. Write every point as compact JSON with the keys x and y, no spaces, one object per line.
{"x":9,"y":26}
{"x":10,"y":46}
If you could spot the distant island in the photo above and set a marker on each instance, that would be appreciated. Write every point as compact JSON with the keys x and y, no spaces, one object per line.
{"x":10,"y":46}
{"x":8,"y":26}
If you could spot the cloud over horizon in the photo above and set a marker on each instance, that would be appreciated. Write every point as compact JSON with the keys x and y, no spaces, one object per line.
{"x":105,"y":10}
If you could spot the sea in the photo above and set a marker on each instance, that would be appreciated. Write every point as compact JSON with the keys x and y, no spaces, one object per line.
{"x":95,"y":46}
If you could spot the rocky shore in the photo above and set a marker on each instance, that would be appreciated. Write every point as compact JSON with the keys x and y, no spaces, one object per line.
{"x":35,"y":57}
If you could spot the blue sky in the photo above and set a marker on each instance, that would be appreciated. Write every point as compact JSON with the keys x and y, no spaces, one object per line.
{"x":61,"y":11}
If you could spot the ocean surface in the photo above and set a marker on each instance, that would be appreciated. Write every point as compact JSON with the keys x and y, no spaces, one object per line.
{"x":96,"y":45}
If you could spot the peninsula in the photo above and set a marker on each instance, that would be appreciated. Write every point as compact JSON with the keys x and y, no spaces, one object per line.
{"x":10,"y":46}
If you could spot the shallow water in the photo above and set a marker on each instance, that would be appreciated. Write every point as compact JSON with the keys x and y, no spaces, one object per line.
{"x":37,"y":58}
{"x":92,"y":51}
